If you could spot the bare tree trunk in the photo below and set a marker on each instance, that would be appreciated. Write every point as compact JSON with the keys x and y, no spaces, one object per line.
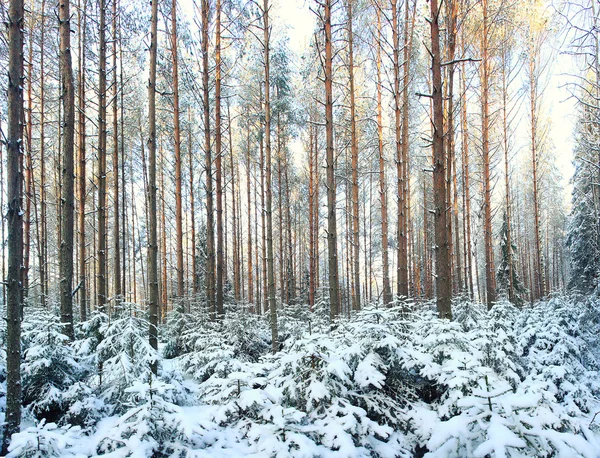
{"x":354,"y":147}
{"x":282,"y":292}
{"x":540,"y":283}
{"x":133,"y":239}
{"x":452,"y":12}
{"x":68,"y":169}
{"x":43,"y":200}
{"x":387,"y":292}
{"x":263,"y":219}
{"x":14,"y":215}
{"x":177,"y":148}
{"x":82,"y":162}
{"x":467,"y":189}
{"x":312,"y":232}
{"x":402,"y":264}
{"x":218,"y":160}
{"x":237,"y":259}
{"x":210,"y":235}
{"x":334,"y":296}
{"x":118,"y":292}
{"x":249,"y":214}
{"x":403,"y":160}
{"x":125,"y":248}
{"x":269,"y":198}
{"x":511,"y":295}
{"x":101,"y":254}
{"x":2,"y":222}
{"x":153,"y":299}
{"x":426,"y":242}
{"x":442,"y":264}
{"x":487,"y":191}
{"x":163,"y":237}
{"x":28,"y":170}
{"x":192,"y":206}
{"x":258,"y":307}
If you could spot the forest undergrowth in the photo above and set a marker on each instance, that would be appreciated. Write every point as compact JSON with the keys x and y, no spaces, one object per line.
{"x":386,"y":382}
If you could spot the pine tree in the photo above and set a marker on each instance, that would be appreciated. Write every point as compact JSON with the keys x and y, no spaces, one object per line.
{"x":507,"y":252}
{"x":583,"y":236}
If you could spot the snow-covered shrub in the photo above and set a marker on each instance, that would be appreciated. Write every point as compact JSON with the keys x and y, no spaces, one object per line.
{"x":46,"y":440}
{"x":498,"y":340}
{"x":85,"y":407}
{"x":49,"y":366}
{"x":468,"y":313}
{"x":321,"y":394}
{"x":556,"y":353}
{"x":151,"y":426}
{"x":88,"y":335}
{"x":224,"y":346}
{"x":506,"y":384}
{"x":497,"y":422}
{"x":124,"y":353}
{"x":179,"y":323}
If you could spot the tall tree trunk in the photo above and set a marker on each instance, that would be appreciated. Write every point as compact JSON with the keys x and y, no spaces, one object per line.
{"x":387,"y":292}
{"x":153,"y":299}
{"x":177,"y":148}
{"x":101,"y":246}
{"x":452,"y":13}
{"x":269,"y":197}
{"x":118,"y":292}
{"x":218,"y":162}
{"x":28,"y":170}
{"x":125,"y":249}
{"x":68,"y":169}
{"x":312,"y":232}
{"x":509,"y":252}
{"x":466,"y":185}
{"x":210,"y":235}
{"x":258,"y":307}
{"x":539,"y":278}
{"x":409,"y":25}
{"x":442,"y":264}
{"x":192,"y":206}
{"x":82,"y":18}
{"x":487,"y":190}
{"x":402,"y":264}
{"x":263,"y":217}
{"x":43,"y":199}
{"x":282,"y":292}
{"x":163,"y":236}
{"x":3,"y":231}
{"x":249,"y":214}
{"x":354,"y":147}
{"x":334,"y":296}
{"x":237,"y":259}
{"x":14,"y":216}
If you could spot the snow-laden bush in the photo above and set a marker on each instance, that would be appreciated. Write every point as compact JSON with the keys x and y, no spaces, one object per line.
{"x":557,"y":354}
{"x":46,"y":440}
{"x":386,"y":382}
{"x":85,"y":407}
{"x":88,"y":335}
{"x":321,"y":394}
{"x":178,"y":325}
{"x":124,"y":354}
{"x":500,"y":392}
{"x":49,"y":366}
{"x":151,"y":427}
{"x":223,"y":346}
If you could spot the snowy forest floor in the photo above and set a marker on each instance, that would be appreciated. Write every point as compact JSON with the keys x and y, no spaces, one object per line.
{"x":387,"y":382}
